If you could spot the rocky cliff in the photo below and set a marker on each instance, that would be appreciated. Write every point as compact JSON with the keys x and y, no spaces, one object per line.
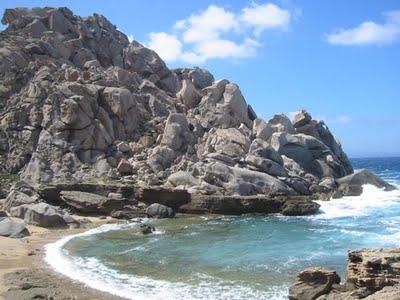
{"x":79,"y":102}
{"x":372,"y":274}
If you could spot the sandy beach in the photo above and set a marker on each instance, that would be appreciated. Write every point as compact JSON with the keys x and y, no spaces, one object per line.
{"x":25,"y":275}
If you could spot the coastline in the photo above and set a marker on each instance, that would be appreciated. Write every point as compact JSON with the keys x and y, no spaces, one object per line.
{"x":24,"y":273}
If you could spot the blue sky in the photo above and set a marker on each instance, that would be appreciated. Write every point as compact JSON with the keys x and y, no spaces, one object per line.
{"x":339,"y":59}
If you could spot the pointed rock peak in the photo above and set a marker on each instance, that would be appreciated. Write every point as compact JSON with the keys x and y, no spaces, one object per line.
{"x":301,"y":118}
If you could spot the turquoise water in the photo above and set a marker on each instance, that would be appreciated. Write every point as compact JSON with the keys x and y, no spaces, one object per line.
{"x":247,"y":257}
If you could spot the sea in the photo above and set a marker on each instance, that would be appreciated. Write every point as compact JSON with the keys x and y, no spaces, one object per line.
{"x":232,"y":257}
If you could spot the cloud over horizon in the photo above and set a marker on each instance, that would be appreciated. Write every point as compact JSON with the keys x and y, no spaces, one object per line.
{"x":368,"y":32}
{"x":218,"y":33}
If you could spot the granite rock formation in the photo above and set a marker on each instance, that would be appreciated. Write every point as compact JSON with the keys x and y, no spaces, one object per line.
{"x":80,"y":103}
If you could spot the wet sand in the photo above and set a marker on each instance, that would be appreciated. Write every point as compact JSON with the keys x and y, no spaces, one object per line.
{"x":25,"y":275}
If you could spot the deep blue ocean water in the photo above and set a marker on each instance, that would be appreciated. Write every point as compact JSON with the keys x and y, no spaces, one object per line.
{"x":220,"y":257}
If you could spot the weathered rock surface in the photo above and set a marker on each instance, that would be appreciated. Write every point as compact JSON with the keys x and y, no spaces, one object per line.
{"x":299,"y":207}
{"x":167,"y":197}
{"x":237,"y":205}
{"x":12,"y":229}
{"x":350,"y":184}
{"x":92,"y":203}
{"x":374,"y":269}
{"x":44,"y":215}
{"x":312,"y":283}
{"x":159,"y":211}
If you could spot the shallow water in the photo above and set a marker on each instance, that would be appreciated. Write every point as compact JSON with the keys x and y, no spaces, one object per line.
{"x":217,"y":257}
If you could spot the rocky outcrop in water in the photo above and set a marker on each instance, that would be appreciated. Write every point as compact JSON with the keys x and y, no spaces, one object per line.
{"x":80,"y":103}
{"x":371,"y":274}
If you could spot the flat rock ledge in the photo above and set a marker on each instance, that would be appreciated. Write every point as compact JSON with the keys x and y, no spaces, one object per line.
{"x":372,"y":274}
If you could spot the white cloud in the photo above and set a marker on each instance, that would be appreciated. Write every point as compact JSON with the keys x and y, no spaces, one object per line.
{"x":369,"y":33}
{"x":166,"y":45}
{"x":130,"y":38}
{"x":265,"y":16}
{"x":218,"y":33}
{"x":208,"y":25}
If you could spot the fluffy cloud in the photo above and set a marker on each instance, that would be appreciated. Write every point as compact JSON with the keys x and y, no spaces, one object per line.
{"x":266,"y":16}
{"x":218,"y":33}
{"x":369,"y":33}
{"x":166,"y":45}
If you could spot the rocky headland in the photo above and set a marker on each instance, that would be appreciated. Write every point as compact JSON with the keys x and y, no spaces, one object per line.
{"x":96,"y":125}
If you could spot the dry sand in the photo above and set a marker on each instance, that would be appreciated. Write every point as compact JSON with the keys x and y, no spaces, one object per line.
{"x":25,"y":275}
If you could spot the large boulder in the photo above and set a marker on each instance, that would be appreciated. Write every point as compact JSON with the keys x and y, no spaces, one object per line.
{"x":93,"y":203}
{"x":262,"y":130}
{"x":232,"y":205}
{"x":229,"y":142}
{"x":281,"y":123}
{"x":313,"y":283}
{"x":12,"y":229}
{"x":168,"y":197}
{"x":311,"y":154}
{"x":177,"y":134}
{"x":320,"y":131}
{"x":200,"y":78}
{"x":188,"y":94}
{"x":223,"y":106}
{"x":241,"y":181}
{"x":301,"y":118}
{"x":351,"y":185}
{"x":159,"y":211}
{"x":299,"y":207}
{"x":266,"y":165}
{"x":44,"y":215}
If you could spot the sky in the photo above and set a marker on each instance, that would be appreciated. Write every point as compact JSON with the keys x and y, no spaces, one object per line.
{"x":338,"y":59}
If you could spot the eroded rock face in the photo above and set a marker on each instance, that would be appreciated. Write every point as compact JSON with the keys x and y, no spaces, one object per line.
{"x":312,"y":283}
{"x":374,"y":269}
{"x":83,"y":103}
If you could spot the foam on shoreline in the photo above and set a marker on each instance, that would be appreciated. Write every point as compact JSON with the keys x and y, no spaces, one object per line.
{"x":96,"y":275}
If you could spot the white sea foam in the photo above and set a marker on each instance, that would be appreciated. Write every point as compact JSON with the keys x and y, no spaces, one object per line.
{"x":96,"y":275}
{"x":355,"y":206}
